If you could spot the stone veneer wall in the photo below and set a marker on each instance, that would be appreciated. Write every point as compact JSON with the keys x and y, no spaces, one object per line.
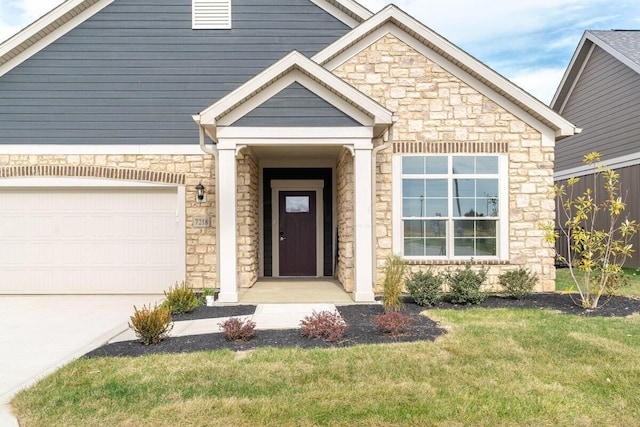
{"x":187,"y":170}
{"x":439,"y":113}
{"x":345,"y":206}
{"x":248,"y":222}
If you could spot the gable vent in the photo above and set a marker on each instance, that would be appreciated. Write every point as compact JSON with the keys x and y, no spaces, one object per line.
{"x":211,"y":14}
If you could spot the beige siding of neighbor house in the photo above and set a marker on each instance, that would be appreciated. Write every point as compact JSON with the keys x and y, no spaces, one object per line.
{"x":187,"y":170}
{"x":437,"y":112}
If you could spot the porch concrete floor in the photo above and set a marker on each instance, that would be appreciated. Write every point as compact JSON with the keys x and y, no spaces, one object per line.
{"x":279,"y":290}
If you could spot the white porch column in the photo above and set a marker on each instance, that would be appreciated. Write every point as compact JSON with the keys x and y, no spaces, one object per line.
{"x":227,"y":235}
{"x":364,"y":247}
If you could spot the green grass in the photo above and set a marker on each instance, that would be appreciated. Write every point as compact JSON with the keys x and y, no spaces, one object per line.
{"x":494,"y":367}
{"x":565,"y":283}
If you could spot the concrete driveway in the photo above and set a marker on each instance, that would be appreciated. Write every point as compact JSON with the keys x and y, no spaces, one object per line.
{"x":39,"y":334}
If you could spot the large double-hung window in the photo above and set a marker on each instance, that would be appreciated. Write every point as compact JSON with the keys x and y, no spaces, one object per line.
{"x":452,"y":206}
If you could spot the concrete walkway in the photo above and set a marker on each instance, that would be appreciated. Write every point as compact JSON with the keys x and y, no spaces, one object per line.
{"x":266,"y":316}
{"x":40,"y":334}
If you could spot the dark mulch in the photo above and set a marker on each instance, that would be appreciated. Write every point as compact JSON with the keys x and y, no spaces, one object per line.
{"x":361,"y":330}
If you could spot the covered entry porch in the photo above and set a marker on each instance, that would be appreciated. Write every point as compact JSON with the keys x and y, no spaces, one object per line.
{"x":295,"y":115}
{"x":295,"y":290}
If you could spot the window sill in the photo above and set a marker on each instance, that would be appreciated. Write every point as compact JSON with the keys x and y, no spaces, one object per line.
{"x":435,"y":261}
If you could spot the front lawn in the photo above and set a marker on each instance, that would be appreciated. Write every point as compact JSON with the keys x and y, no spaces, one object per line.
{"x":632,"y":275}
{"x":519,"y":367}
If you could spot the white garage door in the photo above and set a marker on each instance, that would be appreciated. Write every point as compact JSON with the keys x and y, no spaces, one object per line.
{"x":89,"y":240}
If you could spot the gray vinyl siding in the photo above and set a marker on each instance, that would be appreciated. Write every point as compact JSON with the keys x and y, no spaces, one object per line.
{"x":605,"y":103}
{"x":629,"y":175}
{"x":296,"y":106}
{"x":135,"y":72}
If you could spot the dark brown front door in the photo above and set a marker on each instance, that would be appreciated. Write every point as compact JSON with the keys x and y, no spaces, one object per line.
{"x":297,"y":233}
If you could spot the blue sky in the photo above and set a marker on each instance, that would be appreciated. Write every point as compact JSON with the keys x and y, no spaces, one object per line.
{"x":528,"y":41}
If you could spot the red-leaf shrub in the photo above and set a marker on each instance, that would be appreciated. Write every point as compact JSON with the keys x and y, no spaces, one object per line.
{"x":392,"y":322}
{"x":325,"y":324}
{"x":235,"y":329}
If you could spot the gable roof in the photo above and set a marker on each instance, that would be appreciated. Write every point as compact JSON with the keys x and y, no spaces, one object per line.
{"x":71,"y":13}
{"x":466,"y":67}
{"x":295,"y":67}
{"x":624,"y":45}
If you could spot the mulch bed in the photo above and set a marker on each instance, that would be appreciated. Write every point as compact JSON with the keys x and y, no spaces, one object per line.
{"x":361,"y":330}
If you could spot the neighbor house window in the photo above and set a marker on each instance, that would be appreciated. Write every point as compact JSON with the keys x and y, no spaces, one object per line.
{"x":211,"y":14}
{"x":451,"y":206}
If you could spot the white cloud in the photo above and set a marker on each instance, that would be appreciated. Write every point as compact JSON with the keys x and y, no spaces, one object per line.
{"x":526,"y":40}
{"x":16,"y":14}
{"x":540,"y":83}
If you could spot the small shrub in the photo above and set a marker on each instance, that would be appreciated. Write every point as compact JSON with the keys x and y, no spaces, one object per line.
{"x":395,"y":271}
{"x":235,"y":329}
{"x":465,"y":285}
{"x":181,"y":299}
{"x":392,"y":322}
{"x":325,"y":324}
{"x":425,"y":288}
{"x":151,"y":326}
{"x":518,"y":283}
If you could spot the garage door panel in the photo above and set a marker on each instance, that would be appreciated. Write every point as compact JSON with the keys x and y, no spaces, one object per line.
{"x":90,"y":240}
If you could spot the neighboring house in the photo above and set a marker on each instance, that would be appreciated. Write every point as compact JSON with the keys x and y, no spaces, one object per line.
{"x":600,"y":93}
{"x":325,"y":138}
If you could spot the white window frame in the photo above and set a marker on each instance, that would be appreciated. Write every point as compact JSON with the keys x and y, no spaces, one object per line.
{"x":220,"y":11}
{"x":502,"y":227}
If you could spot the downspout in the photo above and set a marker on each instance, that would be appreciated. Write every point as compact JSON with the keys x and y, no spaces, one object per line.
{"x":203,"y":147}
{"x":214,"y":153}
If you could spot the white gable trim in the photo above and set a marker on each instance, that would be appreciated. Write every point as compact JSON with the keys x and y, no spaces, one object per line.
{"x":295,"y":67}
{"x":294,"y":76}
{"x":451,"y":57}
{"x":72,"y":13}
{"x":574,"y":81}
{"x":347,"y":11}
{"x":46,"y":30}
{"x":588,"y":42}
{"x":614,"y":52}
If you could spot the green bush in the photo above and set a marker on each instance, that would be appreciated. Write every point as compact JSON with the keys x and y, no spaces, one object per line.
{"x":465,"y":285}
{"x":425,"y":288}
{"x":151,"y":326}
{"x":518,"y":283}
{"x":181,"y":299}
{"x":395,"y":271}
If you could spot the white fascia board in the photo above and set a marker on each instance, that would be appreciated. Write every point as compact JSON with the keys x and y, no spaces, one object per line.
{"x":614,"y":52}
{"x":296,"y":61}
{"x":613,"y":163}
{"x":28,"y":37}
{"x":349,"y":12}
{"x":589,"y":41}
{"x":285,"y":81}
{"x":574,"y":81}
{"x":411,"y":27}
{"x":339,"y":14}
{"x":569,"y":69}
{"x":45,"y":149}
{"x":359,"y":137}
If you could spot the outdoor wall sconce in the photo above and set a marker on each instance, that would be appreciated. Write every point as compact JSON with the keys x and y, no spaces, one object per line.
{"x":201,"y":196}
